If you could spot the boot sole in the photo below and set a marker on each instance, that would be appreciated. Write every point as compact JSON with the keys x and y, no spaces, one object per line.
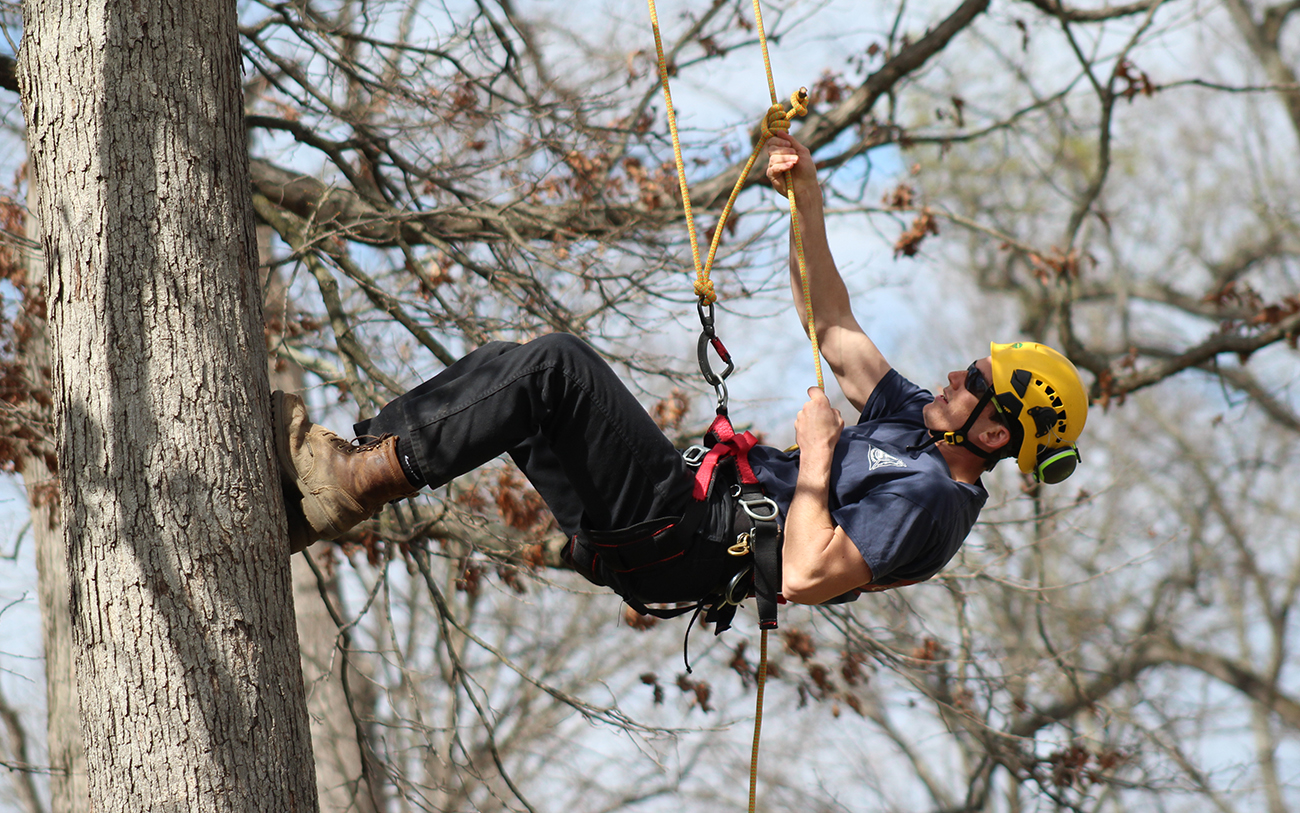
{"x":321,"y":522}
{"x":302,"y":532}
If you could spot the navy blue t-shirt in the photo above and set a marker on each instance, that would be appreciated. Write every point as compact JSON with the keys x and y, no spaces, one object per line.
{"x":902,"y":509}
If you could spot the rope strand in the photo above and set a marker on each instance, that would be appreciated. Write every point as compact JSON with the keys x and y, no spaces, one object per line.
{"x":758,"y":720}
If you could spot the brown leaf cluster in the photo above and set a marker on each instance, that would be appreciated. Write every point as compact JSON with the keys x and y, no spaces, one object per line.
{"x":1241,"y":296}
{"x":652,"y":680}
{"x":909,"y":242}
{"x":900,"y":198}
{"x":521,"y":507}
{"x":669,"y":412}
{"x":829,"y":89}
{"x":1056,"y":265}
{"x":851,"y":667}
{"x":700,"y":692}
{"x":637,"y":621}
{"x":25,"y":430}
{"x":928,"y":650}
{"x":1078,"y":765}
{"x":470,"y":580}
{"x":740,"y":664}
{"x":798,"y":642}
{"x":1135,"y":81}
{"x":655,"y":189}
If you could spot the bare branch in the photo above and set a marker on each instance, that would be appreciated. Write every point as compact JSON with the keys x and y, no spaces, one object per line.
{"x":1056,"y":9}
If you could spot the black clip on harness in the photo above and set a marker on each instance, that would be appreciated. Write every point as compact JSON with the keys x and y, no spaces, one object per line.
{"x":709,"y":338}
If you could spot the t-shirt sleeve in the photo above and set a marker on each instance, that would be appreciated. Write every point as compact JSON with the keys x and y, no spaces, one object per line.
{"x":893,"y":396}
{"x":891,"y":532}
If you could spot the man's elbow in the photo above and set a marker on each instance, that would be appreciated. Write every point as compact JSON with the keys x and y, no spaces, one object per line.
{"x":818,"y":584}
{"x":803,"y":588}
{"x":794,"y":592}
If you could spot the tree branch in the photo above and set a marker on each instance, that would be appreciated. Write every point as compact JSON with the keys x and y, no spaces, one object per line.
{"x":820,"y":129}
{"x":1230,"y":672}
{"x":345,"y":210}
{"x":1055,"y":8}
{"x":1243,"y":345}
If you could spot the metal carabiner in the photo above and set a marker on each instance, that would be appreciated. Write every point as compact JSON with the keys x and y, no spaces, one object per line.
{"x":706,"y":319}
{"x":702,"y":353}
{"x":742,"y":546}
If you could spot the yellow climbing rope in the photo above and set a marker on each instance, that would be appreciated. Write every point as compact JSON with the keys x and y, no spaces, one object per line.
{"x":776,"y":118}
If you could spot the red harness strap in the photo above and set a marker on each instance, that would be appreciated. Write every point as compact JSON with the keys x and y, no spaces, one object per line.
{"x":728,"y":444}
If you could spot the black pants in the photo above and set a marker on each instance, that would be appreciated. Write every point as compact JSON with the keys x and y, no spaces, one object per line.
{"x":561,"y":413}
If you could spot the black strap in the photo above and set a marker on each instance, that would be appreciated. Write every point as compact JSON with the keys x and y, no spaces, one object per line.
{"x":644,"y":545}
{"x":765,"y":545}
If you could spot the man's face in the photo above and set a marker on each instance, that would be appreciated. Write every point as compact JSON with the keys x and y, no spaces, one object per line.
{"x":953,"y":404}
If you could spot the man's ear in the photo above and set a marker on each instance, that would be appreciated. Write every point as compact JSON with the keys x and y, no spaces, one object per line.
{"x":995,"y":437}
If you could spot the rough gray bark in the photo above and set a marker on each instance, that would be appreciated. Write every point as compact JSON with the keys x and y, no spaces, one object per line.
{"x":187,"y":664}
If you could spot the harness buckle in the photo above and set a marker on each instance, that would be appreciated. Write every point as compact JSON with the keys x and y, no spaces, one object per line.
{"x":694,"y":455}
{"x":742,"y":546}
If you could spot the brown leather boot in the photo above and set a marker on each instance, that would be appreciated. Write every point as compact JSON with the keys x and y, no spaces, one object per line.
{"x":340,"y":484}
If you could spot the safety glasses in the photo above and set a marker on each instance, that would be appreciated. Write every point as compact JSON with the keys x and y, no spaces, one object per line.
{"x":979,"y":386}
{"x":976,"y":383}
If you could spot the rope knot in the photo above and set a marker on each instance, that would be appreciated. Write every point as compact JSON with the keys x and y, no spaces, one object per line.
{"x":775,"y":119}
{"x":704,"y":290}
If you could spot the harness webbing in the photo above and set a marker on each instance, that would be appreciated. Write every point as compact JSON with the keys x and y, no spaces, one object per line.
{"x":728,"y":444}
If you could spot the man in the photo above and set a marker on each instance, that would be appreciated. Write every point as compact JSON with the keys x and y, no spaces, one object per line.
{"x":883,"y":503}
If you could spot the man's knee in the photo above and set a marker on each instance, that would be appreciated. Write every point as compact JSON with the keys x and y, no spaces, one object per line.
{"x":565,"y":347}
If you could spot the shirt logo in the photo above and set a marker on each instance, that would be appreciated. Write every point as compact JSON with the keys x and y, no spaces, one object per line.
{"x":880,"y":459}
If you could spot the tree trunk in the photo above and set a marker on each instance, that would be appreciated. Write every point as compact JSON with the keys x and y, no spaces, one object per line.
{"x":186,"y":654}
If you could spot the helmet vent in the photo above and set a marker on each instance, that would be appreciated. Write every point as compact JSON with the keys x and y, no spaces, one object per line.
{"x":1020,"y":382}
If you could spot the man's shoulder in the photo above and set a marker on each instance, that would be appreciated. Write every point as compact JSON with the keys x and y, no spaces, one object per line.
{"x":895,"y":396}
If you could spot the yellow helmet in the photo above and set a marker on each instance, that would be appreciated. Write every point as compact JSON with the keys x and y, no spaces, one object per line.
{"x":1040,"y":394}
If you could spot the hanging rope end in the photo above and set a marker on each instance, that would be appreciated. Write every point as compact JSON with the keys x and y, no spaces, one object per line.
{"x":798,"y":103}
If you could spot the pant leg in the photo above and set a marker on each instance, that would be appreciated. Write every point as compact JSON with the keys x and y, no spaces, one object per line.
{"x":384,"y":422}
{"x":578,"y":434}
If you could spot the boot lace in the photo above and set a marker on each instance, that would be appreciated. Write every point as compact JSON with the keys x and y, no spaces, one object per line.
{"x":362,"y":444}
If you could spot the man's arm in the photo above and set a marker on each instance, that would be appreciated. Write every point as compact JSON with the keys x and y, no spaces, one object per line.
{"x":818,"y":560}
{"x":854,"y":359}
